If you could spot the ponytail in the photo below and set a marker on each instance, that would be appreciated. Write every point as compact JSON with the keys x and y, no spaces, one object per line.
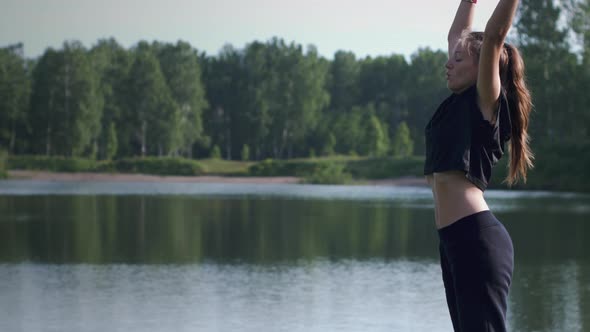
{"x":519,"y":102}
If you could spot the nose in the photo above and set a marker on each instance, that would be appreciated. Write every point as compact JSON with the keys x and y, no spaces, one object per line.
{"x":448,"y":64}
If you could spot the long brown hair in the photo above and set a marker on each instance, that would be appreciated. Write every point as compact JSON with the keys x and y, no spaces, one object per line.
{"x":519,"y":101}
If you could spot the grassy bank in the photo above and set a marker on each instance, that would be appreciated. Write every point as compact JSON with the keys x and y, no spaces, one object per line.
{"x":150,"y":165}
{"x":556,"y":169}
{"x":337,"y":169}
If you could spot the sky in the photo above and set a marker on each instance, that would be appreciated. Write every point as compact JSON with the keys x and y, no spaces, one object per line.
{"x":364,"y":27}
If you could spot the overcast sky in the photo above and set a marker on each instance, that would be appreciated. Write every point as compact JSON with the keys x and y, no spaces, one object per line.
{"x":365,"y":27}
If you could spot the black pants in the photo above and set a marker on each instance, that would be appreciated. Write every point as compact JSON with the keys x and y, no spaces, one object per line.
{"x":477,"y":260}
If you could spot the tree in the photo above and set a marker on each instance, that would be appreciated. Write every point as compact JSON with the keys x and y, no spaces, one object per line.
{"x":65,"y":104}
{"x":579,"y":15}
{"x":349,"y":131}
{"x":546,"y":51}
{"x":328,"y":149}
{"x":181,"y":68}
{"x":112,"y":63}
{"x":363,"y":133}
{"x":14,"y":96}
{"x":402,"y":145}
{"x":376,"y":143}
{"x":152,"y":114}
{"x":383,"y":83}
{"x":426,"y":88}
{"x":245,"y":152}
{"x":215,"y":152}
{"x":296,"y":90}
{"x":343,"y":82}
{"x":111,"y":145}
{"x":225,"y":89}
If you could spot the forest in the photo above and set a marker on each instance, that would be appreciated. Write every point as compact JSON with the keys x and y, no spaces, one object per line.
{"x":276,"y":99}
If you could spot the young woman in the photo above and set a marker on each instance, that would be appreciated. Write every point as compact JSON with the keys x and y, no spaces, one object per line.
{"x":466,"y":136}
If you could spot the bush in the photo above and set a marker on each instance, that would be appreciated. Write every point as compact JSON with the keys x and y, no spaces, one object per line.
{"x":374,"y":168}
{"x":159,"y":166}
{"x":270,"y":167}
{"x":3,"y":157}
{"x":149,"y":165}
{"x":316,"y":171}
{"x":245,"y":152}
{"x":54,"y":164}
{"x":402,"y":145}
{"x":215,"y":152}
{"x":328,"y":173}
{"x":558,"y":166}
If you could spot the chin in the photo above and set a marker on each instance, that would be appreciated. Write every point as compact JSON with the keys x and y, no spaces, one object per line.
{"x":452,"y":88}
{"x":457,"y":89}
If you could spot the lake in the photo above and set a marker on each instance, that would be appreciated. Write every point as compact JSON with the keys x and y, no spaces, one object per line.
{"x":106,"y":256}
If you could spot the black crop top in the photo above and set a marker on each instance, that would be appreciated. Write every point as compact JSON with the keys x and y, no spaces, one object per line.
{"x":459,"y":138}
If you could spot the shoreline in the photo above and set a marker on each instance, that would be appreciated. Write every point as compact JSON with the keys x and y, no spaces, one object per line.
{"x":126,"y":177}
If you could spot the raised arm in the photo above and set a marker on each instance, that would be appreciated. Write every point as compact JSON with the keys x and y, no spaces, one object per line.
{"x":488,"y":79}
{"x":463,"y":20}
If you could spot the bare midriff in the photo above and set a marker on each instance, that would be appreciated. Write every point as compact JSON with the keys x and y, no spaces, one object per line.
{"x":455,"y":197}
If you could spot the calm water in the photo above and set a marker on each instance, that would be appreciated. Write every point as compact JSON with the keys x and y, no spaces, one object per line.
{"x":219,"y":257}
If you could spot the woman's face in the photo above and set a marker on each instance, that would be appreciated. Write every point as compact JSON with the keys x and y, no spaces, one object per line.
{"x":461,"y":70}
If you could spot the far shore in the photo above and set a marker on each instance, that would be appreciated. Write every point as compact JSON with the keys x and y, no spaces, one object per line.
{"x":124,"y":177}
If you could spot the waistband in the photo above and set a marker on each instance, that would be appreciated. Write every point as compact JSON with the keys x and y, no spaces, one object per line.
{"x":468,"y":226}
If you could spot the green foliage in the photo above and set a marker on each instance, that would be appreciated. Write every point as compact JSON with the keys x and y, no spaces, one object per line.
{"x":3,"y":157}
{"x":225,"y":167}
{"x":271,"y":167}
{"x":359,"y":168}
{"x":111,"y":144}
{"x":426,"y":88}
{"x":330,"y":145}
{"x":245,"y":152}
{"x":275,"y":91}
{"x":548,"y":57}
{"x":54,"y":164}
{"x":151,"y":165}
{"x":66,"y":107}
{"x":328,"y":173}
{"x":159,"y":166}
{"x":14,"y":96}
{"x":182,"y":71}
{"x":112,"y":63}
{"x":348,"y":130}
{"x":343,"y":81}
{"x":557,"y":167}
{"x":153,"y":114}
{"x":377,"y":139}
{"x":402,"y":145}
{"x":215,"y":152}
{"x":279,"y":99}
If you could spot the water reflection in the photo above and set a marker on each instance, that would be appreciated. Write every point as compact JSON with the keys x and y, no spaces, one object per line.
{"x":182,"y":229}
{"x":172,"y":229}
{"x":228,"y":261}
